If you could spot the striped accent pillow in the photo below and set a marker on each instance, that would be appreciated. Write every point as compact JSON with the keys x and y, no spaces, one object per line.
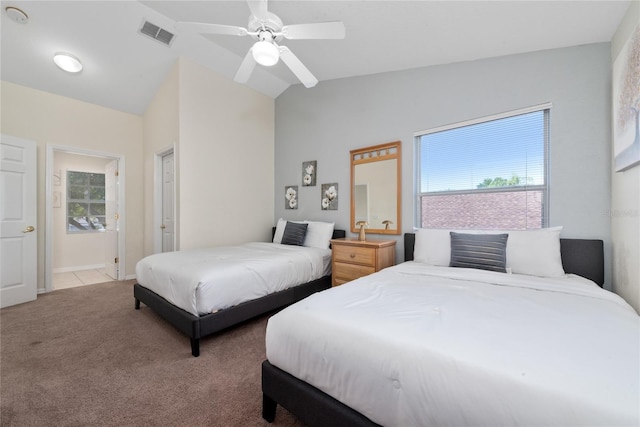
{"x":482,"y":251}
{"x":294,"y":233}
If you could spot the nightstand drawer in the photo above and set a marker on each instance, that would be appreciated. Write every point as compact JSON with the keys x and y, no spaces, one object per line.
{"x":346,"y":272}
{"x":354,"y":254}
{"x":356,"y":258}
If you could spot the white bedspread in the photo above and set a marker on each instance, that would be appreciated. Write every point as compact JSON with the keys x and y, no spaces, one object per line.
{"x":203,"y":281}
{"x":416,"y":345}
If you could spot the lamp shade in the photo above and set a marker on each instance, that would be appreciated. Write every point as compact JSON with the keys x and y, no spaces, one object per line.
{"x":67,"y":62}
{"x":265,"y":53}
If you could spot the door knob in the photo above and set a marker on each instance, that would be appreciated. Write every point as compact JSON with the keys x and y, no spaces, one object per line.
{"x":29,"y":229}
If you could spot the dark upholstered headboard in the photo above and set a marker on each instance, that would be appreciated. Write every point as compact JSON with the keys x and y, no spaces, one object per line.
{"x":337,"y":234}
{"x":584,"y":257}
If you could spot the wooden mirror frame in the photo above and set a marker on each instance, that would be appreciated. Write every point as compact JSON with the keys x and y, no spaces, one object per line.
{"x":377,"y":153}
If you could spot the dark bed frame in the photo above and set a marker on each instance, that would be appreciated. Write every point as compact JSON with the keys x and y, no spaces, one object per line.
{"x":196,"y":327}
{"x":316,"y":408}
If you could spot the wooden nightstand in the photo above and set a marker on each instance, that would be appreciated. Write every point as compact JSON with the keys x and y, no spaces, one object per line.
{"x":352,"y":258}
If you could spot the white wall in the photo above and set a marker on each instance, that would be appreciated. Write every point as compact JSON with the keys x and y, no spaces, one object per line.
{"x":625,"y":198}
{"x":160,"y":132}
{"x":51,"y":119}
{"x":226,"y":148}
{"x":223,"y":134}
{"x":326,"y":122}
{"x":73,"y":251}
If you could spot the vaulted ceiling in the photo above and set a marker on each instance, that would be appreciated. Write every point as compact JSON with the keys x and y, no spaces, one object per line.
{"x":123,"y":68}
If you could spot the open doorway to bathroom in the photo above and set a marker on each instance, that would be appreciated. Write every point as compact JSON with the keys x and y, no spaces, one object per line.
{"x":83,"y":220}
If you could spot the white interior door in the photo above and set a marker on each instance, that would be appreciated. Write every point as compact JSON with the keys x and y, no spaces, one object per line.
{"x":18,"y":239}
{"x":168,"y":204}
{"x":112,"y":218}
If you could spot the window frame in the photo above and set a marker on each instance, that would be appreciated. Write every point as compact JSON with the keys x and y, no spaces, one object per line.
{"x":545,"y":187}
{"x":88,"y":202}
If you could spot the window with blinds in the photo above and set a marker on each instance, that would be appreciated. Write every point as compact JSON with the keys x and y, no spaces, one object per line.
{"x":488,"y":173}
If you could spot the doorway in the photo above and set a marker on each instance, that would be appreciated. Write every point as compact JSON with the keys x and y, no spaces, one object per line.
{"x":164,"y":202}
{"x":84,"y":230}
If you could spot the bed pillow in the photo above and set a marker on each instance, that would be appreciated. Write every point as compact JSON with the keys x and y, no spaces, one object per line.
{"x":282,"y":223}
{"x":318,"y":234}
{"x":277,"y":236}
{"x":432,"y":247}
{"x":535,"y":252}
{"x":294,"y":233}
{"x":481,"y":251}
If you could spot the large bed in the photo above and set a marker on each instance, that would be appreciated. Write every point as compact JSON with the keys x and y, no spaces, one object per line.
{"x":426,"y":344}
{"x":201,"y":292}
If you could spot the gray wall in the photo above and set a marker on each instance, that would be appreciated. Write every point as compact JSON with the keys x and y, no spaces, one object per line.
{"x":325,"y":122}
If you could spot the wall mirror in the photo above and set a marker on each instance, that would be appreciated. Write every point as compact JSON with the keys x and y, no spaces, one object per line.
{"x":375,"y":188}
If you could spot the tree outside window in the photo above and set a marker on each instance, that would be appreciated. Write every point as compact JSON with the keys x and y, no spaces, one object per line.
{"x":85,"y":202}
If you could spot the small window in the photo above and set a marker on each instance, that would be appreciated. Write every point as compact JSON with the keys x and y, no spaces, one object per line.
{"x":490,"y":173}
{"x":85,"y":202}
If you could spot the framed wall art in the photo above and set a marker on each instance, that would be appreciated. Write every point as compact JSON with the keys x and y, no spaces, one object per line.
{"x":329,"y":197}
{"x":626,"y":104}
{"x":309,"y":173}
{"x":291,"y":197}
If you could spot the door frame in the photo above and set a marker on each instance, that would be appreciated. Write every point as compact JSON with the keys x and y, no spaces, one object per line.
{"x":157,"y":199}
{"x":48,"y":233}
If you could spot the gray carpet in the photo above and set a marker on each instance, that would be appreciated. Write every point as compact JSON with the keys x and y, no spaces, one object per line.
{"x":85,"y":357}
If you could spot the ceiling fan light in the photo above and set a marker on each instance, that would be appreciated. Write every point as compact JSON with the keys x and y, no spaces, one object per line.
{"x":265,"y":53}
{"x":67,"y":62}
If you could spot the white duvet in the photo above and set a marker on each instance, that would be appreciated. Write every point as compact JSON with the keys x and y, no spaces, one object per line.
{"x":203,"y":281}
{"x":434,"y":346}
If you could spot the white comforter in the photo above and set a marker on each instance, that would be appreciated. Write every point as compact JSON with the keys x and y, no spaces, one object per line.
{"x":436,"y":346}
{"x":203,"y":281}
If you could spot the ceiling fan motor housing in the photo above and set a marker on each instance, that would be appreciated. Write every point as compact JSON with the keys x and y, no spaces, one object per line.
{"x":271,"y":25}
{"x":265,"y":36}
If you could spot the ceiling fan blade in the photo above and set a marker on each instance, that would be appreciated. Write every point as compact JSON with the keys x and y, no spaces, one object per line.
{"x":297,"y":67}
{"x":320,"y":30}
{"x":204,"y":28}
{"x":246,"y":68}
{"x":258,"y":9}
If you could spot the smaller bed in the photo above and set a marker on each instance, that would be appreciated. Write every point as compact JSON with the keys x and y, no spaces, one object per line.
{"x":171,"y":284}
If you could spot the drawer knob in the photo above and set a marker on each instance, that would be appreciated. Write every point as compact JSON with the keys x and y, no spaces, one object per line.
{"x":352,"y":255}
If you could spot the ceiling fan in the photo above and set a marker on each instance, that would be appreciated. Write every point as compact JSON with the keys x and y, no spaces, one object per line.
{"x":267,"y":29}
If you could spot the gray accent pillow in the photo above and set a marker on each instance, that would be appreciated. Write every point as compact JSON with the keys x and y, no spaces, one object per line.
{"x":482,"y":251}
{"x":294,"y":233}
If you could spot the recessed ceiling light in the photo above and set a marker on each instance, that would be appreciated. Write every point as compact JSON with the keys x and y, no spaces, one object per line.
{"x":16,"y":15}
{"x":67,"y":62}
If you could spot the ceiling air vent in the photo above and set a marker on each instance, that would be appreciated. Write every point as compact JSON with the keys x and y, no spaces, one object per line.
{"x":156,"y":33}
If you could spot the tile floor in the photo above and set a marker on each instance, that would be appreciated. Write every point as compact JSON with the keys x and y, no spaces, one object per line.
{"x":72,"y":279}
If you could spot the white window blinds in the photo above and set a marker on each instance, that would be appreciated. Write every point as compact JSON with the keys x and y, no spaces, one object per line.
{"x":491,"y":173}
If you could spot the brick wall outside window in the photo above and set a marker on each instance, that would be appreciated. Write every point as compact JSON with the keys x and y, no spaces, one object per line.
{"x":514,"y":210}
